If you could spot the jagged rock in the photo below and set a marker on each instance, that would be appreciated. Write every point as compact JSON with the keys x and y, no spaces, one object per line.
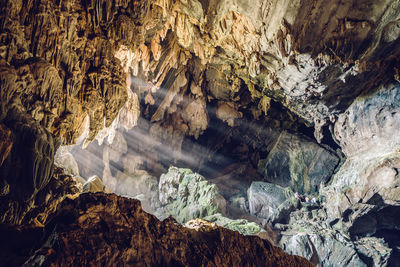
{"x":169,"y":184}
{"x":228,"y":113}
{"x":60,"y":186}
{"x":299,"y":163}
{"x":270,"y":202}
{"x":65,"y":159}
{"x":365,"y":131}
{"x":64,"y":68}
{"x":367,"y":125}
{"x":241,"y":225}
{"x":376,"y":252}
{"x":28,"y":167}
{"x":139,"y":183}
{"x":187,"y":195}
{"x":131,"y":236}
{"x":321,"y":250}
{"x":94,"y":184}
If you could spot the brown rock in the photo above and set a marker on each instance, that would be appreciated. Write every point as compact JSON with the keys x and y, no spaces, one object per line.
{"x":6,"y":142}
{"x":111,"y":230}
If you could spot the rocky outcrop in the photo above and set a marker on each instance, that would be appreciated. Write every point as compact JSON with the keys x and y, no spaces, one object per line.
{"x":28,"y":167}
{"x":299,"y":163}
{"x":131,"y":236}
{"x":363,"y":196}
{"x":93,"y":185}
{"x":61,"y":186}
{"x":37,"y":209}
{"x":374,"y":157}
{"x":270,"y":202}
{"x":311,"y":234}
{"x":186,"y":196}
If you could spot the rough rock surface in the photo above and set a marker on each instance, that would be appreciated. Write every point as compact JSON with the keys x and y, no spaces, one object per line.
{"x":219,"y":79}
{"x":270,"y":202}
{"x":28,"y":167}
{"x":299,"y":163}
{"x":61,"y":186}
{"x":6,"y":144}
{"x":94,"y":184}
{"x":372,"y":120}
{"x":139,"y":238}
{"x":186,"y":196}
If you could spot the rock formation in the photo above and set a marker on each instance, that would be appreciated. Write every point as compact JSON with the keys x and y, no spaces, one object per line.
{"x":261,"y":99}
{"x":111,"y":230}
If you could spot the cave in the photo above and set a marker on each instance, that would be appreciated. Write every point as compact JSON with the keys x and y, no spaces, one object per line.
{"x":199,"y":133}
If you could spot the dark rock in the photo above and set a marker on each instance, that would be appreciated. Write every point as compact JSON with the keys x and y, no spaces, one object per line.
{"x":28,"y":168}
{"x":5,"y":143}
{"x":61,"y":186}
{"x":112,"y":230}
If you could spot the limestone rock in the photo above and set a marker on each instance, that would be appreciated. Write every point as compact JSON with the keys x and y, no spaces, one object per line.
{"x":240,"y":225}
{"x":270,"y":202}
{"x":61,"y":186}
{"x":6,"y":143}
{"x":131,"y":236}
{"x":200,"y":225}
{"x":169,"y":184}
{"x":139,"y":183}
{"x":377,"y":251}
{"x":94,"y":184}
{"x":228,"y":113}
{"x":365,"y":131}
{"x":299,"y":163}
{"x":65,"y":159}
{"x":188,"y":195}
{"x":321,"y":250}
{"x":369,"y":123}
{"x":28,"y":167}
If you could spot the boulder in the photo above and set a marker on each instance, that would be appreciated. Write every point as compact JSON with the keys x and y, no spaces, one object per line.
{"x":64,"y":158}
{"x":140,"y":183}
{"x":366,"y":134}
{"x":94,"y":184}
{"x":298,"y":162}
{"x":188,"y":195}
{"x":169,"y":184}
{"x":321,"y":249}
{"x":270,"y":202}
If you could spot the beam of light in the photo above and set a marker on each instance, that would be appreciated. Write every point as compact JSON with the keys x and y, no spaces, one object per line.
{"x":156,"y":150}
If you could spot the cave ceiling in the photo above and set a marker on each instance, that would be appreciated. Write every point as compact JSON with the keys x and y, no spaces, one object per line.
{"x":70,"y":64}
